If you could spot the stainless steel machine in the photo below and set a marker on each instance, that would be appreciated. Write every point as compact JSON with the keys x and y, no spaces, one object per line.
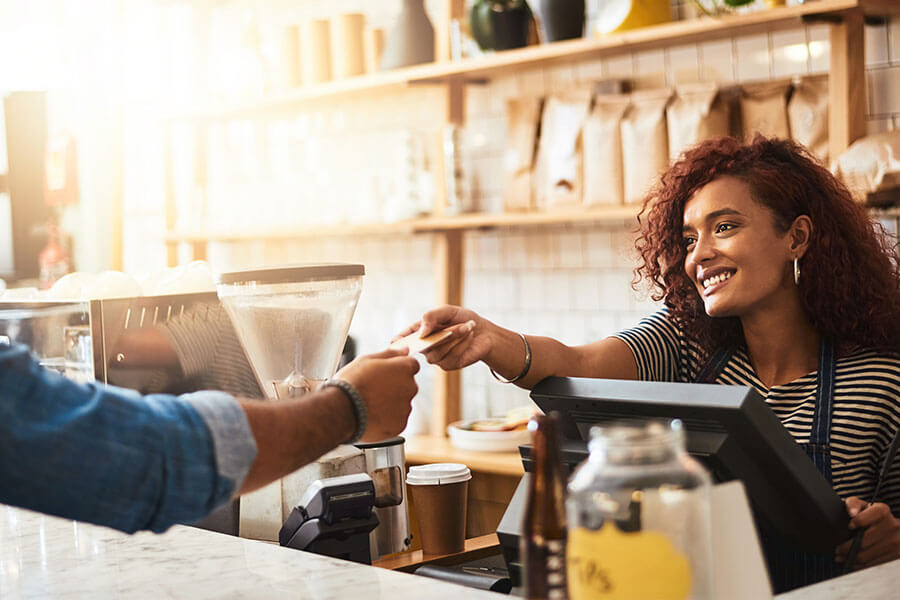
{"x":110,"y":341}
{"x":153,"y":344}
{"x":386,"y":465}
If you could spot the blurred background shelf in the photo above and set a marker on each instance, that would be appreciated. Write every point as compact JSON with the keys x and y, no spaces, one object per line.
{"x":469,"y":221}
{"x":475,"y":70}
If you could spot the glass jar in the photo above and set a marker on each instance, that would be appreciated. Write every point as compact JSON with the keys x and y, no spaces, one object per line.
{"x":639,"y":517}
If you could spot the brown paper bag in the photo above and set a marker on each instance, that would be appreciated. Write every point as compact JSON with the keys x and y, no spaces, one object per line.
{"x":522,"y":120}
{"x":808,"y":115}
{"x":558,"y":179}
{"x":645,"y":143}
{"x":697,"y":112}
{"x":602,"y":144}
{"x":764,"y":110}
{"x":870,"y":164}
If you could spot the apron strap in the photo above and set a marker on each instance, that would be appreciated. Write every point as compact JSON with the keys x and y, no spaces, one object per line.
{"x":819,"y":447}
{"x":789,"y":568}
{"x":715,"y":365}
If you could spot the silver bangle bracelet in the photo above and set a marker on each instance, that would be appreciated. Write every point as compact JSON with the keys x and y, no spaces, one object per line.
{"x":356,"y":401}
{"x":525,"y":368}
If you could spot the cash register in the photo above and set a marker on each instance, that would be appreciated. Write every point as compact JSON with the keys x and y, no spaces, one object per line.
{"x":730,"y":429}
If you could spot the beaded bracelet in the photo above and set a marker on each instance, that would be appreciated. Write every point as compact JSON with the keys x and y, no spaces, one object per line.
{"x":359,"y":407}
{"x":524,"y":368}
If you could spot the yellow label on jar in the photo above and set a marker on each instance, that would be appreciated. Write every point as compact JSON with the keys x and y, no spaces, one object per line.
{"x":611,"y":564}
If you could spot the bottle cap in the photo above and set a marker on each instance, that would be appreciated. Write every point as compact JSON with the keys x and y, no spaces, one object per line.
{"x":438,"y":474}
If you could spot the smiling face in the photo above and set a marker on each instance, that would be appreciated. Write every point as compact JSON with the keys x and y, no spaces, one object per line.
{"x":737,"y":258}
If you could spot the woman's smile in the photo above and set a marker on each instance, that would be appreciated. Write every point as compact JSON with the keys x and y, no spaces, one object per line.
{"x":711,"y":282}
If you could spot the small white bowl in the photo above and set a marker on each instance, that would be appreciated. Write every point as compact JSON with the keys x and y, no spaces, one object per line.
{"x":486,"y":441}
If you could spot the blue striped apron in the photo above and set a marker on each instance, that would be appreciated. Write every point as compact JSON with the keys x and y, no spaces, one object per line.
{"x":788,"y":568}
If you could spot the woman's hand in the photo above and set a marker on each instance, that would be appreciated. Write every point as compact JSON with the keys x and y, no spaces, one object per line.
{"x":881,"y":541}
{"x":468,"y":343}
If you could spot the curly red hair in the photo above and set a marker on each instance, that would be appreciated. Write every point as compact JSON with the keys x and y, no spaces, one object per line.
{"x":850,"y":278}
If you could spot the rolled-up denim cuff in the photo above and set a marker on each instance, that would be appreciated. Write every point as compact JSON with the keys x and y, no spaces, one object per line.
{"x":235,"y":447}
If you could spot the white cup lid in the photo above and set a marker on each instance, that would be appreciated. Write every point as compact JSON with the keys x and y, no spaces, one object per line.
{"x":438,"y":474}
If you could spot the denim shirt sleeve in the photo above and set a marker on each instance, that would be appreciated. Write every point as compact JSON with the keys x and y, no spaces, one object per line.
{"x":110,"y":456}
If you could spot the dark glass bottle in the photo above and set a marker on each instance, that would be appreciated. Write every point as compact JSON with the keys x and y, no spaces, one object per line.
{"x":542,"y":546}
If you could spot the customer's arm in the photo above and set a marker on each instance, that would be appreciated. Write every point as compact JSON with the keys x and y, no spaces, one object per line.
{"x":110,"y":456}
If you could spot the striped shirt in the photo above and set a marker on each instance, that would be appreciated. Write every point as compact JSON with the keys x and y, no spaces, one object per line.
{"x":866,"y":411}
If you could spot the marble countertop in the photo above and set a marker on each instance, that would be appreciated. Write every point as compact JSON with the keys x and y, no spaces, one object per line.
{"x":48,"y":557}
{"x":875,"y":583}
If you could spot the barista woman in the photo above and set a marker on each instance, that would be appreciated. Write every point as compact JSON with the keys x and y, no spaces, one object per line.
{"x":771,"y":276}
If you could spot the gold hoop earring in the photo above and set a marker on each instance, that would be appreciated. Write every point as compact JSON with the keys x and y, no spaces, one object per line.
{"x":796,"y":271}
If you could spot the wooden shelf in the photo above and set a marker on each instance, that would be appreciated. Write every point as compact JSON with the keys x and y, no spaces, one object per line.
{"x":475,"y":548}
{"x":427,"y":449}
{"x":512,"y":61}
{"x":656,"y":36}
{"x":529,"y":219}
{"x":275,"y":233}
{"x":608,"y":214}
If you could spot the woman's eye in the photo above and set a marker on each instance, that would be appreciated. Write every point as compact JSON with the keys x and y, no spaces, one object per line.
{"x":688,"y":242}
{"x":721,"y":227}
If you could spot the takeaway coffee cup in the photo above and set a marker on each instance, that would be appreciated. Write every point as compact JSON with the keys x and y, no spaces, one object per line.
{"x":439,"y":493}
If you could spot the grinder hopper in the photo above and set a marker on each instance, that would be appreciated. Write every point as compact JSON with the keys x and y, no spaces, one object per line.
{"x":292,"y":321}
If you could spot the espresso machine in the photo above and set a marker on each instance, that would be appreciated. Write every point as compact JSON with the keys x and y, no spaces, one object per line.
{"x":292,"y":322}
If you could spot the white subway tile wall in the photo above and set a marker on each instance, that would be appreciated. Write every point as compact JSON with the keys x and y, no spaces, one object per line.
{"x":571,"y":282}
{"x":717,"y":61}
{"x":755,"y":54}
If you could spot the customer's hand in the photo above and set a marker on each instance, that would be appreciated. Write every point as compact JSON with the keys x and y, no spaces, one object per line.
{"x":881,"y":541}
{"x":386,"y":383}
{"x":468,"y":342}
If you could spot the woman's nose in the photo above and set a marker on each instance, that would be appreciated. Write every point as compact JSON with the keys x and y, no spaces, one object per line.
{"x":703,"y":250}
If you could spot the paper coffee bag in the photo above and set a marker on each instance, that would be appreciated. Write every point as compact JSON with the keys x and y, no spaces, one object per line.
{"x":697,"y":112}
{"x":602,"y":145}
{"x":645,"y":142}
{"x":522,"y":119}
{"x":764,"y":110}
{"x":559,"y":179}
{"x":808,"y":115}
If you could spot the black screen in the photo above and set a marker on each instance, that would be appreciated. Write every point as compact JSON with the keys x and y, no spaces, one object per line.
{"x":732,"y":431}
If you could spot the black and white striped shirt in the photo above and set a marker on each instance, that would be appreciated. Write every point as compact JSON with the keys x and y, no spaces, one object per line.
{"x":866,"y":411}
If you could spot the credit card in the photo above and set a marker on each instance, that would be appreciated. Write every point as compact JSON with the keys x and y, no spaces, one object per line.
{"x":422,"y":344}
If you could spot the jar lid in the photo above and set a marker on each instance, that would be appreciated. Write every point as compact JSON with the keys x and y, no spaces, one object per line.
{"x":394,"y":441}
{"x":438,"y":474}
{"x":293,"y":273}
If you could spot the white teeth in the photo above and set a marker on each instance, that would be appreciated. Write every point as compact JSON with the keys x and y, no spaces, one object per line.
{"x":716,"y":279}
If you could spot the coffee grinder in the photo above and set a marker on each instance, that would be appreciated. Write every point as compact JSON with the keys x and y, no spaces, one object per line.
{"x":292,"y":322}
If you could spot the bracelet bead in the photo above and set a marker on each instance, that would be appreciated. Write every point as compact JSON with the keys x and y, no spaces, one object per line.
{"x":356,"y":401}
